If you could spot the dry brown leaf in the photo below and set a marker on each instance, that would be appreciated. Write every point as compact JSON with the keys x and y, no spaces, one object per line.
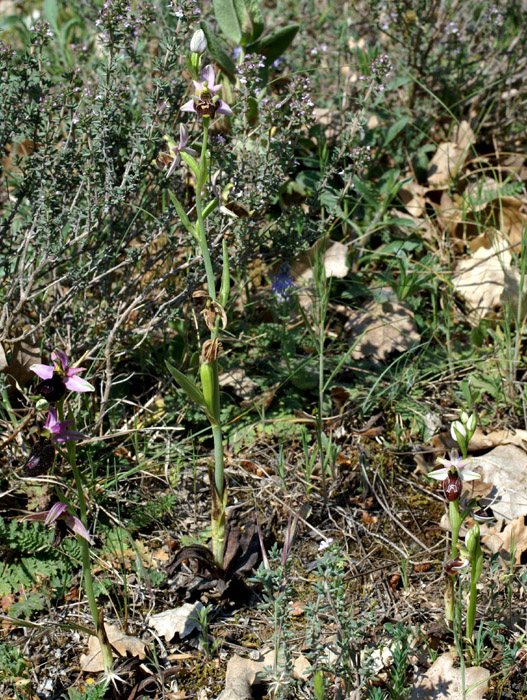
{"x":239,"y":380}
{"x":463,"y":135}
{"x":183,"y":620}
{"x":443,"y":681}
{"x":242,"y":673}
{"x":506,"y":468}
{"x":510,"y":218}
{"x":486,"y":281}
{"x":413,"y":197}
{"x":335,"y":262}
{"x":500,"y":540}
{"x":241,"y":676}
{"x":23,"y":356}
{"x":122,"y":643}
{"x":381,"y":329}
{"x":445,"y":163}
{"x":481,"y":441}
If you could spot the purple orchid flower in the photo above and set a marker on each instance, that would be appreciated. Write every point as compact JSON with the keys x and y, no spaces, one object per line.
{"x":59,"y":511}
{"x":58,"y":377}
{"x":58,"y":432}
{"x":205,"y":101}
{"x":175,"y":149}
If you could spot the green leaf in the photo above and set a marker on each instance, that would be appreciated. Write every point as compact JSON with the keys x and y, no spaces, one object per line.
{"x":318,"y":685}
{"x":217,"y":52}
{"x":256,"y":18}
{"x":182,"y":215}
{"x":244,"y":20}
{"x":396,"y":129}
{"x":51,"y":13}
{"x":187,"y":384}
{"x":191,"y":162}
{"x":228,"y":20}
{"x":225,"y":288}
{"x":273,"y":46}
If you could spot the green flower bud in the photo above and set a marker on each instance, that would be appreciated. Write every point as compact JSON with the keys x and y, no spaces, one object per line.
{"x":198,"y":43}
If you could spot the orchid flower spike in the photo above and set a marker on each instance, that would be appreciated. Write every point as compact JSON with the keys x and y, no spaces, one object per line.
{"x":59,"y":377}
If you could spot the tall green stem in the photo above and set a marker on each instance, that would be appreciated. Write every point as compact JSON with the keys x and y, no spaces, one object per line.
{"x":202,"y":232}
{"x":471,"y":612}
{"x":219,"y":490}
{"x":106,"y":651}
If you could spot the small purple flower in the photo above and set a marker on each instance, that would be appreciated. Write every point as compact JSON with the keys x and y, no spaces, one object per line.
{"x":175,"y":149}
{"x":59,"y":511}
{"x":205,"y":101}
{"x":282,"y":283}
{"x":58,"y":377}
{"x":58,"y":432}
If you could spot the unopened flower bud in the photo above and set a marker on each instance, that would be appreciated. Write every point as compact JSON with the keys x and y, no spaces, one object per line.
{"x":472,"y":540}
{"x":457,"y":430}
{"x":452,"y":487}
{"x":198,"y":43}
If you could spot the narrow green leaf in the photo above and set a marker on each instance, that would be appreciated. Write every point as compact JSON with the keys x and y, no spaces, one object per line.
{"x":273,"y":46}
{"x":225,"y":288}
{"x":217,"y":52}
{"x":187,"y":384}
{"x":210,"y":207}
{"x":182,"y":215}
{"x":227,"y":18}
{"x":396,"y":129}
{"x":191,"y":162}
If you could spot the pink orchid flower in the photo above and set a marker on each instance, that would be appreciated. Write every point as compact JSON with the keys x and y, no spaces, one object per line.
{"x":59,"y":511}
{"x":58,"y":432}
{"x":205,"y":101}
{"x":58,"y":377}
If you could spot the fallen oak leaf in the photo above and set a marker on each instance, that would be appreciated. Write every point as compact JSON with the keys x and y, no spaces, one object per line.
{"x":182,"y":621}
{"x":122,"y":643}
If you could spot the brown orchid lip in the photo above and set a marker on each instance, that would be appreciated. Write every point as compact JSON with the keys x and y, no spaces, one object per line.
{"x":52,"y":389}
